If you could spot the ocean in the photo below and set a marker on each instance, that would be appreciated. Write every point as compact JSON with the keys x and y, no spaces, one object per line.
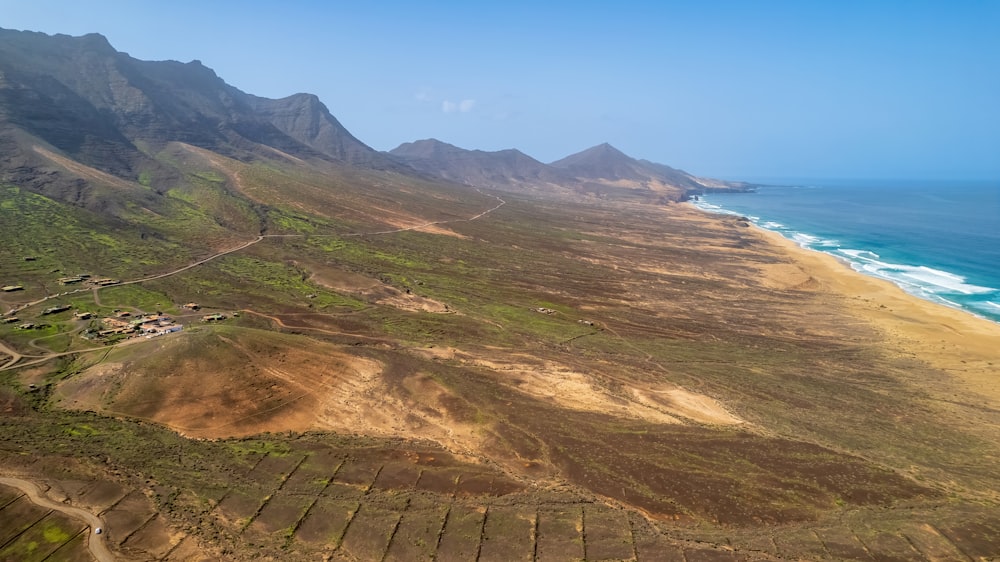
{"x":939,"y":241}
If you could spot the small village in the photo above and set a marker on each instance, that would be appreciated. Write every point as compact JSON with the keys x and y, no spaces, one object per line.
{"x":122,"y":323}
{"x":150,"y":325}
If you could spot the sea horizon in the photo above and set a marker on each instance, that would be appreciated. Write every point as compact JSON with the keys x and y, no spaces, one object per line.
{"x":938,"y":240}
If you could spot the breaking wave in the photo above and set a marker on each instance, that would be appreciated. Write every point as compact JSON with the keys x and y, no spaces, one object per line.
{"x":919,"y":280}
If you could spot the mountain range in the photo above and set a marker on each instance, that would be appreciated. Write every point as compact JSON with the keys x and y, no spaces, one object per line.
{"x":80,"y":99}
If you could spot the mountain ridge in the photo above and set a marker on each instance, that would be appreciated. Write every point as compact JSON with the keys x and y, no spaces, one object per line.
{"x":595,"y":170}
{"x":474,"y":167}
{"x":81,"y":98}
{"x":108,"y":110}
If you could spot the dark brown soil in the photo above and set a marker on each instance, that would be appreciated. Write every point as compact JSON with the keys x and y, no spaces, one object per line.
{"x":509,"y":534}
{"x":607,"y":532}
{"x":460,"y":539}
{"x":416,"y":537}
{"x":326,"y":522}
{"x":560,"y":534}
{"x":497,"y":432}
{"x":153,"y":538}
{"x":372,"y":527}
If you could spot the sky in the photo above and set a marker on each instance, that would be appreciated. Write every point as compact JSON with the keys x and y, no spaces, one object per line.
{"x":729,"y":89}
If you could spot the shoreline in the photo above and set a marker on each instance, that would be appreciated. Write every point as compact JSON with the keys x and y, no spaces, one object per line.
{"x":940,"y":284}
{"x":964,"y":345}
{"x":953,"y":340}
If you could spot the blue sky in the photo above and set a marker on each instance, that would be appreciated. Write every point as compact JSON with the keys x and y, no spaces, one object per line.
{"x":741,"y":89}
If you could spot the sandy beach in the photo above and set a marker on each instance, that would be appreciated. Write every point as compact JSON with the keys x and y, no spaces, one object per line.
{"x":963,"y":345}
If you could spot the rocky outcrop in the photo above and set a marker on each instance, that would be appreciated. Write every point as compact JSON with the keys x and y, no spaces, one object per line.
{"x":304,"y":118}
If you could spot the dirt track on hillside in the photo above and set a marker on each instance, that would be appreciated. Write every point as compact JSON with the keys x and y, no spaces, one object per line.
{"x":95,"y":542}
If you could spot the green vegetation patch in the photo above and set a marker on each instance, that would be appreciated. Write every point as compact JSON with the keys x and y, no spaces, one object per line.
{"x":64,"y":240}
{"x":280,"y":282}
{"x":42,"y":539}
{"x":136,"y":296}
{"x":209,"y":211}
{"x":247,"y":447}
{"x":82,"y":430}
{"x":373,"y":255}
{"x":210,"y":176}
{"x":21,"y":339}
{"x":291,"y":223}
{"x":525,"y":320}
{"x":54,"y":533}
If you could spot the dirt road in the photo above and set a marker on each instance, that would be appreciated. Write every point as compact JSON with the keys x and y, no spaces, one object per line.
{"x":14,"y":356}
{"x":95,"y":542}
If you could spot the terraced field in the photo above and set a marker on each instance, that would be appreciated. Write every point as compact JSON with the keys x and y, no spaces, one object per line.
{"x":421,"y":504}
{"x":30,"y":532}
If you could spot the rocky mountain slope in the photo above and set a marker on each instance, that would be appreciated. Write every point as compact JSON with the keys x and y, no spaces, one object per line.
{"x":607,"y":162}
{"x":80,"y":98}
{"x":503,"y":168}
{"x":602,"y":170}
{"x":67,"y":102}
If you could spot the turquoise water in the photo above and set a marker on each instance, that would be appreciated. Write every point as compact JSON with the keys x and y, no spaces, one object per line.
{"x":937,"y":240}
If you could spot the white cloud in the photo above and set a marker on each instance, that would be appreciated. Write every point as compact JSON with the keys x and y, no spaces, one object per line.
{"x":463,"y":106}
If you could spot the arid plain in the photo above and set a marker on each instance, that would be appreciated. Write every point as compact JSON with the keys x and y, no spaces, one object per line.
{"x":548,"y":381}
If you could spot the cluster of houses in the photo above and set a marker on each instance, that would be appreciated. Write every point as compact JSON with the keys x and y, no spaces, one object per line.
{"x":122,"y":322}
{"x":151,"y":325}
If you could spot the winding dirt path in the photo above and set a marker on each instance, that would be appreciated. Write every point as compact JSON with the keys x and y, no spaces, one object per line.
{"x":95,"y":542}
{"x":282,"y":324}
{"x":14,"y":356}
{"x":187,"y":267}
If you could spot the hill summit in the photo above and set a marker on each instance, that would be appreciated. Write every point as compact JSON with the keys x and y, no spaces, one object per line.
{"x":475,"y":167}
{"x":602,"y":170}
{"x":607,"y":162}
